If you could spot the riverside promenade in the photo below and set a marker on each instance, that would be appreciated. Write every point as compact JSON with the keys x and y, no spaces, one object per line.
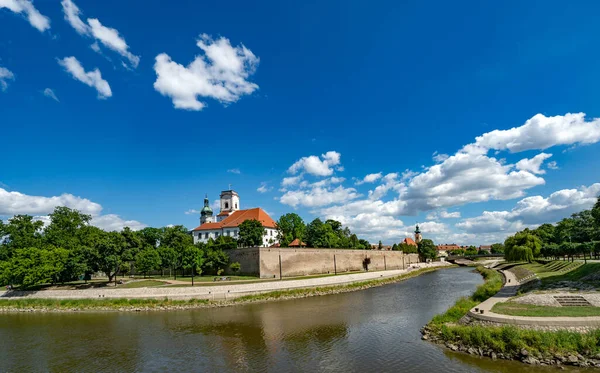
{"x":220,"y":292}
{"x":483,"y":311}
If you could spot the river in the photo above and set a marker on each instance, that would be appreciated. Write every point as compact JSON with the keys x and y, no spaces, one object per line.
{"x":374,"y":330}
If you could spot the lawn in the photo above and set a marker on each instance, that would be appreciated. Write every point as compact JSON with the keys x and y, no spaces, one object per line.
{"x":206,"y":278}
{"x":520,"y":309}
{"x":142,"y":284}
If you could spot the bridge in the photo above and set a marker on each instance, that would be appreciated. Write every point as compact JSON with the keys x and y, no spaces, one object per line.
{"x":468,"y":259}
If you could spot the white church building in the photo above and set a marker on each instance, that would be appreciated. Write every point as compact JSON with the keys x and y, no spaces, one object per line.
{"x":227,"y":222}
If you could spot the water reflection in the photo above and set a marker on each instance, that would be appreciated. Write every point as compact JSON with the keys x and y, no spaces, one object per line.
{"x":373,"y":330}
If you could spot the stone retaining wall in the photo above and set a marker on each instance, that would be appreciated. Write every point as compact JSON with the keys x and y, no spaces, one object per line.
{"x":289,"y":262}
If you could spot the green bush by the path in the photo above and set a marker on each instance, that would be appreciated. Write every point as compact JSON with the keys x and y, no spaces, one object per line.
{"x":492,"y":285}
{"x":511,"y":340}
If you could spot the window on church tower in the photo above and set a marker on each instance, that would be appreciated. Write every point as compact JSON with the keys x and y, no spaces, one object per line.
{"x":236,"y":206}
{"x":226,"y":205}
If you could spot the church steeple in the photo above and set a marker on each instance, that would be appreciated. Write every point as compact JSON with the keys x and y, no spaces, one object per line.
{"x":206,"y":213}
{"x":418,"y":236}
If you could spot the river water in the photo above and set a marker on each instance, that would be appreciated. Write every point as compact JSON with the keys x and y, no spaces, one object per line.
{"x":374,"y":330}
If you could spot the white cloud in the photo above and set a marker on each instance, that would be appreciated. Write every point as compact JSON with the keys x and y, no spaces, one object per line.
{"x":323,"y":183}
{"x":35,"y":18}
{"x":292,"y":180}
{"x":541,"y":132}
{"x":316,"y":166}
{"x":15,"y":203}
{"x":50,"y":93}
{"x":552,"y":165}
{"x":91,"y":78}
{"x":192,"y":212}
{"x":5,"y":75}
{"x":318,"y":196}
{"x":112,"y":222}
{"x":221,"y":72}
{"x":534,"y":164}
{"x":443,"y":214}
{"x":109,"y":37}
{"x":370,"y":178}
{"x":234,"y":171}
{"x":466,"y":178}
{"x":439,"y":157}
{"x":390,"y":182}
{"x":263,"y":188}
{"x":534,"y":210}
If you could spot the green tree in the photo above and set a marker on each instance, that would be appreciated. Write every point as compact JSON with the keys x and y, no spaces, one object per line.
{"x":523,"y":246}
{"x":31,"y":266}
{"x":251,"y":233}
{"x":427,"y":250}
{"x":596,"y":214}
{"x":289,"y":227}
{"x":19,"y":232}
{"x":380,"y":245}
{"x":193,"y":258}
{"x":363,"y":244}
{"x":147,"y":260}
{"x":111,"y":247}
{"x":407,"y":249}
{"x":497,"y":248}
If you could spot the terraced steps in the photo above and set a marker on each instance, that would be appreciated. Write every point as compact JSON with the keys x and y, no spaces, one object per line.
{"x":572,"y":301}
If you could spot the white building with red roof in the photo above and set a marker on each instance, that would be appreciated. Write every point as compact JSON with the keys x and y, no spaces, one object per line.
{"x":229,"y":218}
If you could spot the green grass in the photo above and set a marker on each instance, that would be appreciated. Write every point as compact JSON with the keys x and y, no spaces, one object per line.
{"x":510,"y":340}
{"x":576,"y":274}
{"x":142,"y":284}
{"x":520,"y":309}
{"x":206,"y":278}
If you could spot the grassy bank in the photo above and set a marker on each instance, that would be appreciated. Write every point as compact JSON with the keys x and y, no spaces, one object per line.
{"x":509,"y":342}
{"x":136,"y":304}
{"x":522,"y":309}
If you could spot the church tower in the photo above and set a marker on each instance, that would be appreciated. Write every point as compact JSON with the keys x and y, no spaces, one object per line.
{"x":418,"y":236}
{"x":230,"y":202}
{"x":206,"y":214}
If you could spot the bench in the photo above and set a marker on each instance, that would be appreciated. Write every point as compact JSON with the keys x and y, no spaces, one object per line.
{"x":223,"y":278}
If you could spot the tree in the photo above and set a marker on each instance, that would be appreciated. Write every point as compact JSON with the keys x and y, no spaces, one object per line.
{"x":147,"y":260}
{"x":427,"y":250}
{"x":596,"y":214}
{"x":407,"y":249}
{"x":380,"y":245}
{"x":523,"y":246}
{"x":395,"y":247}
{"x":497,"y":248}
{"x":20,"y":231}
{"x":363,"y":244}
{"x":30,"y":266}
{"x":216,"y":260}
{"x":289,"y":227}
{"x":111,"y":247}
{"x":251,"y":233}
{"x":193,"y":258}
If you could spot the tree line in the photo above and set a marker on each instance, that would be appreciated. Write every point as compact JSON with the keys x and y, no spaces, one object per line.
{"x":575,"y":236}
{"x":69,"y":249}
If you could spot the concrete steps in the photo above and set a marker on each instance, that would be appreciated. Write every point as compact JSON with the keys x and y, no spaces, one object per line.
{"x":572,"y":301}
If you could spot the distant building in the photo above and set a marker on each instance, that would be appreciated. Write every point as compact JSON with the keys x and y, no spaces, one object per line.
{"x":296,"y":243}
{"x":487,"y":248}
{"x":383,"y":247}
{"x":409,"y":241}
{"x":229,"y":218}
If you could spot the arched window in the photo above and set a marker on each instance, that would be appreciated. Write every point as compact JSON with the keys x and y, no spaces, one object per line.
{"x":226,"y":205}
{"x":236,"y":206}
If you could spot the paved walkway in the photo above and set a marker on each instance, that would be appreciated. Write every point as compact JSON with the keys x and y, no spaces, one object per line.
{"x":483,"y":311}
{"x":214,"y":292}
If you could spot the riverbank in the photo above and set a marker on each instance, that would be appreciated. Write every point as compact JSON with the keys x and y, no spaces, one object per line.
{"x":544,"y":346}
{"x":138,"y":304}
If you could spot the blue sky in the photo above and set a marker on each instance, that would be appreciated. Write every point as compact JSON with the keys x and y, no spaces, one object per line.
{"x":190,"y":96}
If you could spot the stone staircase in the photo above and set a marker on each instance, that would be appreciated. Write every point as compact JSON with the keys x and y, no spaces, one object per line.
{"x":572,"y":301}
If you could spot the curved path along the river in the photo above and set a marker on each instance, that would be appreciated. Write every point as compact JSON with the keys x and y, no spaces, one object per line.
{"x":483,"y":311}
{"x":220,"y":292}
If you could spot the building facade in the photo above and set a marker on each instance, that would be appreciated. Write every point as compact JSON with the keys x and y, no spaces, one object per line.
{"x":227,"y":222}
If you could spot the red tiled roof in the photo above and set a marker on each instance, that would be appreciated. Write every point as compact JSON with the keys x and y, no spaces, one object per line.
{"x":296,"y":243}
{"x":410,"y":241}
{"x":238,"y":217}
{"x":224,"y":213}
{"x":448,"y":247}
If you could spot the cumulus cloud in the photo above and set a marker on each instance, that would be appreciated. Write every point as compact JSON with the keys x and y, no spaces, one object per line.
{"x":370,"y":178}
{"x":542,"y":132}
{"x":234,"y":171}
{"x":25,"y":7}
{"x":317,"y":166}
{"x":50,"y":93}
{"x":534,"y":164}
{"x":443,"y":214}
{"x":221,"y":72}
{"x":292,"y":180}
{"x":534,"y":210}
{"x":109,"y":37}
{"x":15,"y":203}
{"x":439,"y":157}
{"x":90,"y":78}
{"x":5,"y":76}
{"x":318,"y":196}
{"x":552,"y":165}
